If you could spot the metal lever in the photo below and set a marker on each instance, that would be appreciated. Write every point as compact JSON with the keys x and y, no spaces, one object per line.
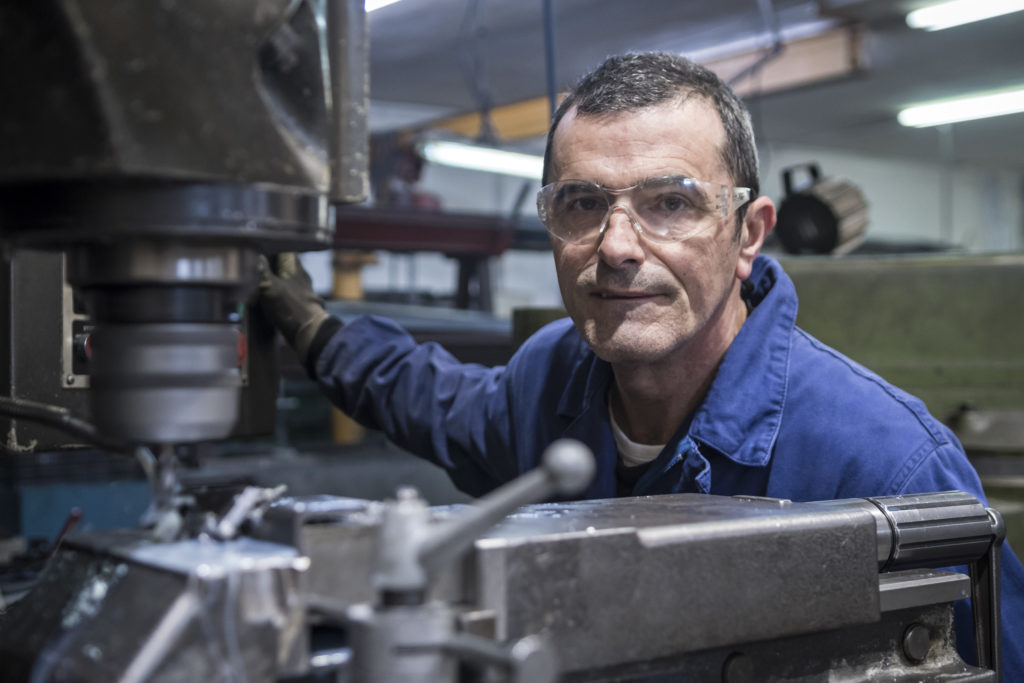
{"x":408,"y":639}
{"x":566,"y":468}
{"x":528,"y":660}
{"x":348,"y":142}
{"x":411,"y":547}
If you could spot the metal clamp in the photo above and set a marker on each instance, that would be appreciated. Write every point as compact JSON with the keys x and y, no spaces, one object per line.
{"x":937,"y":529}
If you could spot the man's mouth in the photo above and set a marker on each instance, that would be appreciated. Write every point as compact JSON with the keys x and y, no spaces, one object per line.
{"x":604,"y":294}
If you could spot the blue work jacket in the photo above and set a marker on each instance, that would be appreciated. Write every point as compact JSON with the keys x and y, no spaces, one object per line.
{"x":786,"y":416}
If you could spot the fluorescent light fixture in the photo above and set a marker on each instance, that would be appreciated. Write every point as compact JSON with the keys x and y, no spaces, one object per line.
{"x":963,"y":109}
{"x":371,"y":5}
{"x":957,"y":12}
{"x":483,"y":159}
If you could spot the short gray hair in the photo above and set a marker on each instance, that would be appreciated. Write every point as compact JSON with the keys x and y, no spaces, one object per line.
{"x":632,"y":82}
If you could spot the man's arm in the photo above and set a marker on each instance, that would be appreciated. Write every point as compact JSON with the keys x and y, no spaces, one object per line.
{"x":453,"y":414}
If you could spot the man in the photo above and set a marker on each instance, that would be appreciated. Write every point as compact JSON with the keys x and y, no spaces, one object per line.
{"x":681,"y":368}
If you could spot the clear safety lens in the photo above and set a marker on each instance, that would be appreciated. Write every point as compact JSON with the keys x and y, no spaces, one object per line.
{"x":667,"y":209}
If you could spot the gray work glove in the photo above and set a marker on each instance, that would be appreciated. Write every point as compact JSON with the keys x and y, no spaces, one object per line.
{"x":286,"y":294}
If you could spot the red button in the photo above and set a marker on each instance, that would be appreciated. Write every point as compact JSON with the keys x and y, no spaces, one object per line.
{"x":243,"y":349}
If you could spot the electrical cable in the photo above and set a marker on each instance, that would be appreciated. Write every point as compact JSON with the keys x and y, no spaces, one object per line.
{"x":549,"y":56}
{"x":771,"y":20}
{"x":756,"y":71}
{"x":63,"y":420}
{"x":474,"y":68}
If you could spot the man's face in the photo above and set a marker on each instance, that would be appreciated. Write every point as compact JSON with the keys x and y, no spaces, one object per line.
{"x":633,"y":300}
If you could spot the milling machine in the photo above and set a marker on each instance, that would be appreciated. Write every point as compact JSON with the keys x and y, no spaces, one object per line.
{"x":160,"y":147}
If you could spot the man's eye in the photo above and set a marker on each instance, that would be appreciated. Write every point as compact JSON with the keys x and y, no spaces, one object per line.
{"x":672,"y":203}
{"x":585,"y":203}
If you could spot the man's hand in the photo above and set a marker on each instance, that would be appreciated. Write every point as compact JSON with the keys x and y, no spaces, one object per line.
{"x":286,"y":294}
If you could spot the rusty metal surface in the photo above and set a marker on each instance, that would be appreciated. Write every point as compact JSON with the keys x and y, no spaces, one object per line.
{"x":397,"y":230}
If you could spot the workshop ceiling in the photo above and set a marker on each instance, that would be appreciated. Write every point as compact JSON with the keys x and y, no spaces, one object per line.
{"x":424,"y":54}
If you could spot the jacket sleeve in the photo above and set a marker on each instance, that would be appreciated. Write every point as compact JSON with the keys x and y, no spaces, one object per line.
{"x":455,"y":415}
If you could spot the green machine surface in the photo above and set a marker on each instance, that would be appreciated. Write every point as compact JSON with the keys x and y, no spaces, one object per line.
{"x":946,"y":328}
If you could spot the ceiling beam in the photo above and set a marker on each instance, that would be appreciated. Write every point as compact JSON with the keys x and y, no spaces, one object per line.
{"x":827,"y":56}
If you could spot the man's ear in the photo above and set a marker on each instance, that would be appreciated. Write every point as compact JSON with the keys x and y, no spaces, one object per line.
{"x":757,"y":223}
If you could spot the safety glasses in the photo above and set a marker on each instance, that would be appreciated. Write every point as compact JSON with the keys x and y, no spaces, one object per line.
{"x":665,"y":209}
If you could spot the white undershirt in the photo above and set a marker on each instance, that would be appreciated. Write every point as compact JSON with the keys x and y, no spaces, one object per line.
{"x":631,"y":452}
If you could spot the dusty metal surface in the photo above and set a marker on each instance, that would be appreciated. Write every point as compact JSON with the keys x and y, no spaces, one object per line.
{"x":653,"y":589}
{"x":571,"y":572}
{"x":943,"y":328}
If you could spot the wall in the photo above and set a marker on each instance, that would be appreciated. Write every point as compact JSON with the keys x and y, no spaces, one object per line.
{"x":978,"y":209}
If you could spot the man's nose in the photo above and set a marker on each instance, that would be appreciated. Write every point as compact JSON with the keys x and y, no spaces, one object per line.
{"x":620,"y":239}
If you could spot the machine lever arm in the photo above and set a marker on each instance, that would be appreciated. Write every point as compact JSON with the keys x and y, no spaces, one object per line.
{"x":412,"y":548}
{"x":566,"y":469}
{"x":348,"y":142}
{"x":408,"y":637}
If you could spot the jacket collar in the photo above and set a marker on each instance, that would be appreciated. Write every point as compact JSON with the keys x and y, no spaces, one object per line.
{"x":741,"y":415}
{"x":742,"y":412}
{"x":587,"y":386}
